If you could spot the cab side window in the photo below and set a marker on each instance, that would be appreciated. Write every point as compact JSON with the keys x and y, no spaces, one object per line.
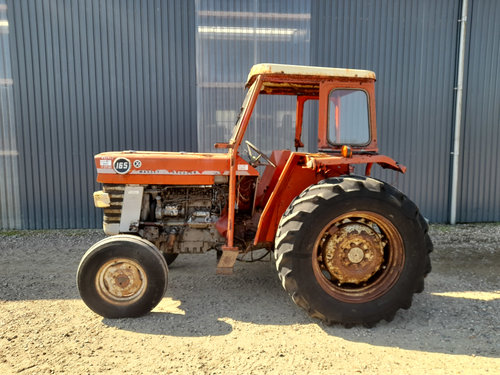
{"x":348,"y":116}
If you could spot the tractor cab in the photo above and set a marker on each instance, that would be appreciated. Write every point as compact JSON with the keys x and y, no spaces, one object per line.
{"x":345,"y":98}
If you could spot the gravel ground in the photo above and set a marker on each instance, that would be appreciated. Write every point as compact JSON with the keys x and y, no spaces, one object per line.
{"x":245,"y":323}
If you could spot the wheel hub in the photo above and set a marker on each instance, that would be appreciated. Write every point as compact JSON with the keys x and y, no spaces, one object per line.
{"x":353,"y":253}
{"x":121,"y":280}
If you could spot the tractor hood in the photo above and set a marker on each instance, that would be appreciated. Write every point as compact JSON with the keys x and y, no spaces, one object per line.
{"x":167,"y":168}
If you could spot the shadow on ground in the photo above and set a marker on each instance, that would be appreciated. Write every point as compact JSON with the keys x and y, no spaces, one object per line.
{"x":433,"y":324}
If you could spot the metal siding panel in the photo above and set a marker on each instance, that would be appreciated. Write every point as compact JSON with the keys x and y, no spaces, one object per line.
{"x":13,"y":39}
{"x":10,"y":209}
{"x":91,"y":76}
{"x":50,"y":93}
{"x":77,"y":125}
{"x":411,"y":47}
{"x":479,"y":198}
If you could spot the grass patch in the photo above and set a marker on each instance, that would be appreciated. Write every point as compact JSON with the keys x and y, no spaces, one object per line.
{"x":443,"y":228}
{"x":38,"y":232}
{"x":10,"y":233}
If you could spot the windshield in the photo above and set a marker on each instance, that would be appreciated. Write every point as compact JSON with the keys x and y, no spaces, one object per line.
{"x":237,"y":126}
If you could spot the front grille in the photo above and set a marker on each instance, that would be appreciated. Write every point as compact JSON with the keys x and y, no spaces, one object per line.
{"x":113,"y":213}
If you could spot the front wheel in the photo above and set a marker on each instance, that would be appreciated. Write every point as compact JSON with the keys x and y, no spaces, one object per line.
{"x":122,"y":276}
{"x":352,"y":250}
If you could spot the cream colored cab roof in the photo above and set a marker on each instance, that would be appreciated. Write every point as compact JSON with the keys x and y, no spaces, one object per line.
{"x":313,"y":71}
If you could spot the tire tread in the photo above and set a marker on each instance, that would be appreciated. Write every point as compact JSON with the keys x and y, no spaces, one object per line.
{"x":306,"y":203}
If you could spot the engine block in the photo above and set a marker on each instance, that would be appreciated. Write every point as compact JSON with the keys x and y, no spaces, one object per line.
{"x":181,"y":219}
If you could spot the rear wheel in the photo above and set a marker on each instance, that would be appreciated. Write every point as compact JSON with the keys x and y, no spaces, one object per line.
{"x":352,"y":250}
{"x":122,"y":276}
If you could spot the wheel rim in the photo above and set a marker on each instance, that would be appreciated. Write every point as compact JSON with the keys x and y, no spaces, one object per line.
{"x":121,"y":281}
{"x":358,"y":256}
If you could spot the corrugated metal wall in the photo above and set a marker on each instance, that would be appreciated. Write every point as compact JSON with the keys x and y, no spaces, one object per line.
{"x":92,"y":76}
{"x":479,"y":185}
{"x":10,"y":216}
{"x":411,"y":45}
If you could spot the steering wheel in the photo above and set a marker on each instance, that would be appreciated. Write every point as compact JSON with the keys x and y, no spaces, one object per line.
{"x":254,"y":160}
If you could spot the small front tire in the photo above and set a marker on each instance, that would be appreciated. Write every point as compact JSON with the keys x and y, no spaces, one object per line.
{"x":122,"y":276}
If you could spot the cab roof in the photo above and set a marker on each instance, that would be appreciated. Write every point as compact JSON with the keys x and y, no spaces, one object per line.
{"x":297,"y":79}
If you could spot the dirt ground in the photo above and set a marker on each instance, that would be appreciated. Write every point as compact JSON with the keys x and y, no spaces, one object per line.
{"x":245,"y":323}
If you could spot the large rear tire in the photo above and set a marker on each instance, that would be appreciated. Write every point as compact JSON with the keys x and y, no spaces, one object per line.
{"x":122,"y":276}
{"x":352,"y":250}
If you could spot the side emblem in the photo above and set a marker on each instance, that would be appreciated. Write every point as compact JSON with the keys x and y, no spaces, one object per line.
{"x":137,"y":163}
{"x":121,"y":165}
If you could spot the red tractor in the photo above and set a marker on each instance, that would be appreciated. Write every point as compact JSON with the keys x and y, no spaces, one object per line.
{"x":349,"y":249}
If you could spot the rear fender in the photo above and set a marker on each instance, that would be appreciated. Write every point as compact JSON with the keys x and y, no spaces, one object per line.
{"x":293,"y":180}
{"x":316,"y":161}
{"x":303,"y":170}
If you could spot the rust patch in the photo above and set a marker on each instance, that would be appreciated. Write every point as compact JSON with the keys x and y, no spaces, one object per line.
{"x":353,"y":253}
{"x":121,"y":281}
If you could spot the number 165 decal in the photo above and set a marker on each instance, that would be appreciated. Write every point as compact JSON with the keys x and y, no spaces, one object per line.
{"x":121,"y":165}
